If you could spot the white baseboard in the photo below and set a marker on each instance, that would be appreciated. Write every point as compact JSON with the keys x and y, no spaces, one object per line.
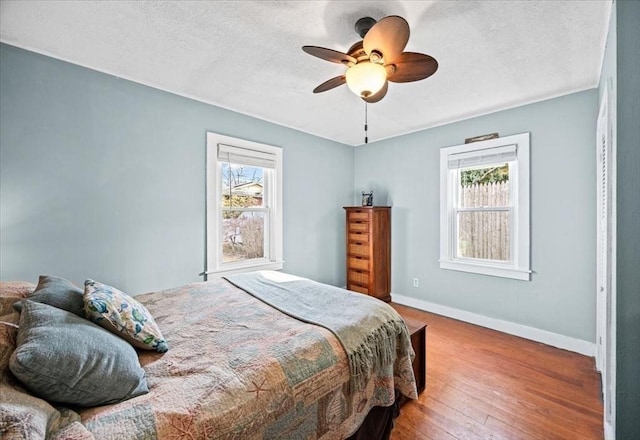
{"x":608,"y":432}
{"x":555,"y":340}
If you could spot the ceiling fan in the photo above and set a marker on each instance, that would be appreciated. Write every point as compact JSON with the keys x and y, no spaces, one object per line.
{"x":377,"y":59}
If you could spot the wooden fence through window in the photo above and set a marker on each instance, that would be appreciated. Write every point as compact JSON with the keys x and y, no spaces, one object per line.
{"x":484,"y":234}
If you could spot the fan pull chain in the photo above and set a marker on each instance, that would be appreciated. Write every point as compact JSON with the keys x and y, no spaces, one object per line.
{"x":366,"y":138}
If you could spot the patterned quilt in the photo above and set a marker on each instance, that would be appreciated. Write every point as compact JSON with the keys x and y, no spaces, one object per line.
{"x":237,"y":369}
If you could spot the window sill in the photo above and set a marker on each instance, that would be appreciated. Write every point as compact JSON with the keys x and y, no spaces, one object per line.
{"x":219,"y":273}
{"x":484,"y":269}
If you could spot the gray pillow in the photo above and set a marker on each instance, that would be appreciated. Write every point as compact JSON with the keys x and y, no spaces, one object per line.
{"x":63,"y":358}
{"x":57,"y":292}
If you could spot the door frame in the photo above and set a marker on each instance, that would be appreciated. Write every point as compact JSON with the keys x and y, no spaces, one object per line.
{"x":605,"y":354}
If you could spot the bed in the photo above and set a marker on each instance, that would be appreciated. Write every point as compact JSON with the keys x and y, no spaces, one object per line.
{"x":236,"y":368}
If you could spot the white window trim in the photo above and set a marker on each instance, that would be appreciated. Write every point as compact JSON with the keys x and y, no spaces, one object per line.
{"x":214,"y":268}
{"x":519,"y":267}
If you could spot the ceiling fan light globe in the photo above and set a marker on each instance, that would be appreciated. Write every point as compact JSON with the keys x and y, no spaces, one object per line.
{"x":366,"y":78}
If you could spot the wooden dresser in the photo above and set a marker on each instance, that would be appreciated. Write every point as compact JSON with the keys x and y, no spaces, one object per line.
{"x":369,"y":250}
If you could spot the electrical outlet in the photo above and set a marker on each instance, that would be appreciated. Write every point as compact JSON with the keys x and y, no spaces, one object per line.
{"x":416,"y":282}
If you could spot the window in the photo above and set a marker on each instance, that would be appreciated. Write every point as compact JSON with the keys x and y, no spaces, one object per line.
{"x":484,"y":207}
{"x":244,"y":205}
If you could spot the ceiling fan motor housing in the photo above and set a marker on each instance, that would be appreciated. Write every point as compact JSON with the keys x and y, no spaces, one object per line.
{"x":363,"y":25}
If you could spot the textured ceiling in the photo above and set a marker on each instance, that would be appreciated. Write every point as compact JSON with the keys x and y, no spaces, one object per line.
{"x":246,"y":55}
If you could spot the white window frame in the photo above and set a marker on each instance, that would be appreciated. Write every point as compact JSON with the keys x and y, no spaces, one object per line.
{"x":272,"y":201}
{"x":519,"y":182}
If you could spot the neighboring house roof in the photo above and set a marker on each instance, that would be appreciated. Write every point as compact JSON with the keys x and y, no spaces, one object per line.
{"x":253,"y":189}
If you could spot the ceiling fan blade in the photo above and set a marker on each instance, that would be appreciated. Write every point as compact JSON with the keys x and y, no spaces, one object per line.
{"x":330,"y":84}
{"x":329,"y":54}
{"x":411,"y":66}
{"x":378,"y":96}
{"x":389,"y":36}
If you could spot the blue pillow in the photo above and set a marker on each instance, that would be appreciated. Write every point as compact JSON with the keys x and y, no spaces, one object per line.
{"x":63,"y":358}
{"x":57,"y":292}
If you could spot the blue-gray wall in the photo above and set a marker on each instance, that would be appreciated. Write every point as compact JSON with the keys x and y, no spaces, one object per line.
{"x":404,"y":172}
{"x":105,"y":178}
{"x":628,"y":219}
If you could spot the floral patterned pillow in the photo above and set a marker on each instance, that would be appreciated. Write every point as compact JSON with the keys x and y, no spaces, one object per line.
{"x":121,"y":314}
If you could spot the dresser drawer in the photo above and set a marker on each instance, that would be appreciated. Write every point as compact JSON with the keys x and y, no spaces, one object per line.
{"x":359,"y":237}
{"x":358,"y":226}
{"x":358,"y":277}
{"x":357,"y":288}
{"x":358,"y":263}
{"x":354,"y":216}
{"x":359,"y":250}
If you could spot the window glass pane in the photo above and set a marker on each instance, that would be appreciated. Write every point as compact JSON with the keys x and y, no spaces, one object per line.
{"x":484,"y":234}
{"x":242,"y":186}
{"x":242,"y":235}
{"x":486,"y":186}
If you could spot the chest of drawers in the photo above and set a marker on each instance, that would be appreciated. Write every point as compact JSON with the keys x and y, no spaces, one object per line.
{"x":369,"y":250}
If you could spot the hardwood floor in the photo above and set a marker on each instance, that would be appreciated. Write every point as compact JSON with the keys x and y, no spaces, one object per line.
{"x":483,"y":384}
